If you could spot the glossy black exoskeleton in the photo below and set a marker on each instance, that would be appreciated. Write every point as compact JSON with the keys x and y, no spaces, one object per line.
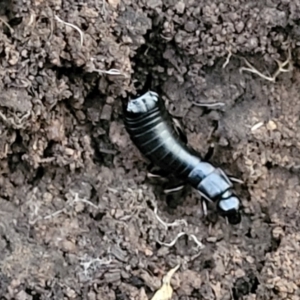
{"x":152,"y":130}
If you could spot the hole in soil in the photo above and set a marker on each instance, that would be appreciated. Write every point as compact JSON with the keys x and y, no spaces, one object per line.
{"x":8,"y":245}
{"x":14,"y":160}
{"x":40,"y":172}
{"x":101,"y":232}
{"x":149,"y":204}
{"x":154,"y":57}
{"x":157,"y":245}
{"x":269,"y":165}
{"x":260,"y":265}
{"x":84,"y":26}
{"x":196,"y":293}
{"x":208,"y":264}
{"x":244,"y":286}
{"x":209,"y":153}
{"x":248,"y":234}
{"x":276,"y":291}
{"x":33,"y":294}
{"x":48,"y":152}
{"x":98,"y":217}
{"x":275,"y":243}
{"x":120,"y":295}
{"x":137,"y":282}
{"x":15,"y":21}
{"x":173,"y":201}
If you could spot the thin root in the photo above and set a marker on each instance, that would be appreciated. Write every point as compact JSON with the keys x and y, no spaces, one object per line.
{"x":8,"y":26}
{"x":86,"y":265}
{"x":172,"y":243}
{"x":281,"y":68}
{"x":227,"y":59}
{"x":109,"y":72}
{"x":167,"y":225}
{"x":199,"y":244}
{"x":93,"y":264}
{"x":208,"y":104}
{"x":15,"y":121}
{"x":73,"y":26}
{"x":257,"y":126}
{"x":68,"y":203}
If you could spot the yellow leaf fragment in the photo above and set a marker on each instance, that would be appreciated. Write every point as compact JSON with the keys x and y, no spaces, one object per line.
{"x":165,"y":291}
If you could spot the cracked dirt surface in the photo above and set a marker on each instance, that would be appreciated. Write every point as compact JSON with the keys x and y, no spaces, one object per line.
{"x":77,"y":213}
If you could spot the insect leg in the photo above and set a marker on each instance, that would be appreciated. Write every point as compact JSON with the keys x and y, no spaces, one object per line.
{"x":237,"y":180}
{"x":179,"y":130}
{"x":209,"y":153}
{"x":155,"y":172}
{"x":174,"y":192}
{"x":177,"y":188}
{"x":204,"y":207}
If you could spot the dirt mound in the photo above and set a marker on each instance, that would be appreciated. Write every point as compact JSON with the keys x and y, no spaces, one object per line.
{"x":79,"y":219}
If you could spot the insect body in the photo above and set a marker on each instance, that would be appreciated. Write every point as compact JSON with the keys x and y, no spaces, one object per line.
{"x":152,"y":130}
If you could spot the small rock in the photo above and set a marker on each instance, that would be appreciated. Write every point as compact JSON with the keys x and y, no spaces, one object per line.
{"x":69,"y":151}
{"x":118,"y":253}
{"x":190,"y":26}
{"x":154,"y":3}
{"x":239,"y":273}
{"x":239,"y":27}
{"x":112,"y":277}
{"x":250,"y":259}
{"x":110,"y":100}
{"x":179,"y":7}
{"x":142,"y":295}
{"x":219,"y":267}
{"x":277,"y":232}
{"x":56,"y":131}
{"x":211,"y":239}
{"x":223,"y":142}
{"x":22,"y":295}
{"x":47,"y":197}
{"x":71,"y":294}
{"x":79,"y":207}
{"x":119,"y":213}
{"x":68,"y":246}
{"x":125,"y":275}
{"x":106,"y":112}
{"x":91,"y":296}
{"x":114,"y":3}
{"x":271,"y":125}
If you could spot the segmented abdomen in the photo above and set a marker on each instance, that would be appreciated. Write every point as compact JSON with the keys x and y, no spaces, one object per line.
{"x":154,"y":135}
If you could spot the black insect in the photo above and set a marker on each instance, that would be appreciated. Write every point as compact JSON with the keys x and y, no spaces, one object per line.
{"x":163,"y":143}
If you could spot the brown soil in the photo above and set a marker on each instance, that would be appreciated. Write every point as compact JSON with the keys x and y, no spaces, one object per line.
{"x":77,"y":212}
